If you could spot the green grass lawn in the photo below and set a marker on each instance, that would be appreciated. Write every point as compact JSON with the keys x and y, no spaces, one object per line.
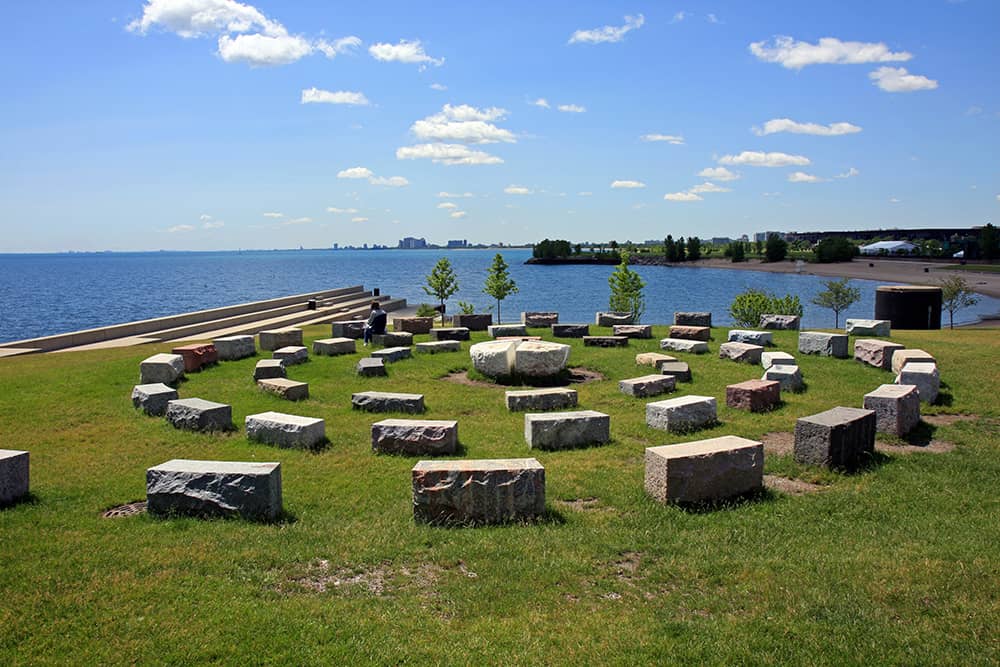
{"x":898,"y":564}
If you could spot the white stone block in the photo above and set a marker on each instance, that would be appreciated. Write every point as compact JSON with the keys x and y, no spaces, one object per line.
{"x":682,"y":414}
{"x":165,"y":368}
{"x":283,"y":430}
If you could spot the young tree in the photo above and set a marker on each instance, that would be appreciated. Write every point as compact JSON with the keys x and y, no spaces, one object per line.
{"x":776,"y":248}
{"x":955,"y":295}
{"x":626,"y":291}
{"x":442,"y":282}
{"x":694,"y":248}
{"x":736,"y":252}
{"x":499,"y":284}
{"x":681,"y":249}
{"x":838,"y":297}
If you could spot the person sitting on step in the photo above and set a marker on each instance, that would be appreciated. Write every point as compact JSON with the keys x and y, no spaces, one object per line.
{"x":375,"y":323}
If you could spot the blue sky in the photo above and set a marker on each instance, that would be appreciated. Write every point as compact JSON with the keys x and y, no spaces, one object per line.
{"x":211,"y":124}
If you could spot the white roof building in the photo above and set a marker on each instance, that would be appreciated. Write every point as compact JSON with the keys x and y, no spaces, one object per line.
{"x":889,"y":247}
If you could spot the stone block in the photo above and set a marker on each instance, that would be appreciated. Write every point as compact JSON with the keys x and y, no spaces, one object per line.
{"x":332,"y":347}
{"x":609,"y":319}
{"x":540,"y":358}
{"x":704,"y":471}
{"x":654,"y":359}
{"x":197,"y":356}
{"x":925,"y":376}
{"x":498,"y":330}
{"x":605,"y":341}
{"x":290,"y":390}
{"x":539,"y":319}
{"x":682,"y":414}
{"x":274,"y":339}
{"x":902,"y":357}
{"x":566,"y":430}
{"x":165,"y":368}
{"x":875,"y":352}
{"x":391,"y":354}
{"x":474,"y":322}
{"x":763,"y":338}
{"x":483,"y":491}
{"x":685,"y":332}
{"x":896,"y":407}
{"x":231,"y":348}
{"x":741,"y":352}
{"x":519,"y":339}
{"x":552,"y":398}
{"x":269,"y":368}
{"x":780,"y":322}
{"x":823,"y":344}
{"x":570,"y":330}
{"x":370,"y":367}
{"x":291,"y":355}
{"x":393,"y":339}
{"x":435,"y":346}
{"x":789,"y":377}
{"x":450,"y":333}
{"x":693,"y":319}
{"x":837,"y":438}
{"x":647,"y":385}
{"x":14,"y":475}
{"x":277,"y":428}
{"x":415,"y":437}
{"x":754,"y":395}
{"x":215,"y":488}
{"x":414,"y":325}
{"x":153,"y":398}
{"x":494,"y":358}
{"x":868,"y":327}
{"x":768,"y":359}
{"x":633,"y":330}
{"x":354,"y":329}
{"x":678,"y":369}
{"x":384,"y":401}
{"x":196,"y":414}
{"x":681,"y":345}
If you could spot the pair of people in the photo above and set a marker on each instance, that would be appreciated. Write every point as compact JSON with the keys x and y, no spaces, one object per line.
{"x":375,"y":323}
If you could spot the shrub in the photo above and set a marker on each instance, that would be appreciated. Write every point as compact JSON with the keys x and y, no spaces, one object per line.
{"x":426,"y":310}
{"x":835,"y":249}
{"x":466,"y":308}
{"x":748,"y":306}
{"x":776,"y":248}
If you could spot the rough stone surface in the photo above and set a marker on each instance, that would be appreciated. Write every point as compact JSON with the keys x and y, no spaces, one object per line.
{"x":384,"y":401}
{"x":332,"y":347}
{"x":415,"y":325}
{"x":570,"y":330}
{"x":291,"y":355}
{"x":925,"y":376}
{"x":165,"y":368}
{"x":197,"y":356}
{"x":196,"y":414}
{"x":370,"y":367}
{"x":435,"y":346}
{"x":704,"y":471}
{"x":678,"y":369}
{"x":14,"y":474}
{"x":290,"y":390}
{"x":768,"y":359}
{"x":415,"y":437}
{"x":742,"y":352}
{"x":902,"y":357}
{"x":823,"y":344}
{"x":609,"y":319}
{"x":539,"y":319}
{"x":153,"y":398}
{"x":519,"y":339}
{"x":605,"y":341}
{"x":274,"y":339}
{"x":763,"y":338}
{"x":478,"y":491}
{"x":540,"y":358}
{"x":498,"y":330}
{"x":789,"y":377}
{"x":681,"y":345}
{"x":654,"y":359}
{"x":754,"y":395}
{"x":391,"y":354}
{"x":214,"y":488}
{"x":552,"y":398}
{"x":896,"y":407}
{"x":349,"y":329}
{"x":682,"y":414}
{"x":647,"y":385}
{"x":474,"y":322}
{"x":231,"y":348}
{"x":633,"y":330}
{"x":393,"y":339}
{"x":868,"y":327}
{"x":687,"y":332}
{"x":566,"y":430}
{"x":269,"y":368}
{"x":450,"y":333}
{"x":781,"y":322}
{"x":693,"y":319}
{"x":838,"y":438}
{"x":875,"y":352}
{"x":277,"y":428}
{"x":494,"y":358}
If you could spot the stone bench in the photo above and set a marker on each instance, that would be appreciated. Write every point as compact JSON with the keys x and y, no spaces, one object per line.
{"x":605,"y":341}
{"x":450,"y":333}
{"x":754,"y":395}
{"x":370,"y":367}
{"x":349,"y":329}
{"x":332,"y":347}
{"x":415,"y":437}
{"x":472,"y":322}
{"x":881,"y":328}
{"x":274,"y":339}
{"x":681,"y":345}
{"x":789,"y":377}
{"x":494,"y":358}
{"x":741,"y":352}
{"x":693,"y":319}
{"x":291,"y":355}
{"x":682,"y":414}
{"x":414,"y":325}
{"x":685,"y":332}
{"x":654,"y":359}
{"x":277,"y":428}
{"x":435,"y":346}
{"x":875,"y":352}
{"x":391,"y":354}
{"x":902,"y":357}
{"x":394,"y":339}
{"x":214,"y":488}
{"x":837,"y":438}
{"x":498,"y":330}
{"x":197,"y":356}
{"x":823,"y":344}
{"x":679,"y":370}
{"x":647,"y":385}
{"x":384,"y":401}
{"x":540,"y":358}
{"x":633,"y":330}
{"x":14,"y":475}
{"x":566,"y":430}
{"x":704,"y":471}
{"x":290,"y":390}
{"x":609,"y":319}
{"x":539,"y":319}
{"x":763,"y":338}
{"x":483,"y":491}
{"x":231,"y":348}
{"x":570,"y":330}
{"x":768,"y":359}
{"x":926,"y":378}
{"x":164,"y":368}
{"x":780,"y":322}
{"x":153,"y":398}
{"x":196,"y":414}
{"x":554,"y":398}
{"x":269,"y":368}
{"x":896,"y":407}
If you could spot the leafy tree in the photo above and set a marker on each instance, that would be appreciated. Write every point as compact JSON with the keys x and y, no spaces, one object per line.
{"x":736,"y":252}
{"x":955,"y":295}
{"x":626,"y":291}
{"x":835,"y":249}
{"x":989,"y":241}
{"x":670,"y":249}
{"x":547,"y":249}
{"x":681,"y":249}
{"x":749,"y":305}
{"x":838,"y":297}
{"x":759,"y":247}
{"x":694,"y":248}
{"x":499,"y":284}
{"x":442,"y":282}
{"x":776,"y":248}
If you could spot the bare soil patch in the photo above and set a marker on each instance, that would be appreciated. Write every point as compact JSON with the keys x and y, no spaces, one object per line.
{"x":320,"y":576}
{"x":778,"y":442}
{"x":947,"y":420}
{"x":934,"y":447}
{"x":793,"y":487}
{"x":580,"y":504}
{"x":131,"y":509}
{"x":575,"y":376}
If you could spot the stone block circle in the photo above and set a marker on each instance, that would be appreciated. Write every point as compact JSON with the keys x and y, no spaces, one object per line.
{"x":283,"y":430}
{"x":647,"y":385}
{"x":605,"y":341}
{"x":332,"y":347}
{"x":436,"y":346}
{"x":232,"y":348}
{"x":566,"y":430}
{"x":415,"y":437}
{"x":768,"y":359}
{"x":153,"y":398}
{"x":478,"y":491}
{"x":754,"y":395}
{"x":823,"y":344}
{"x":704,"y":471}
{"x":902,"y":357}
{"x":780,"y":322}
{"x":161,"y":368}
{"x":610,"y":319}
{"x":450,"y":333}
{"x":633,"y":330}
{"x":682,"y":414}
{"x":269,"y":368}
{"x":896,"y":407}
{"x":837,"y":438}
{"x":763,"y":338}
{"x":854,"y":327}
{"x":875,"y":352}
{"x":196,"y":414}
{"x":385,"y":401}
{"x":214,"y":488}
{"x":741,"y":352}
{"x":14,"y":475}
{"x":290,"y":390}
{"x":551,"y":398}
{"x":274,"y":339}
{"x":393,"y":339}
{"x":789,"y":377}
{"x":392,"y":354}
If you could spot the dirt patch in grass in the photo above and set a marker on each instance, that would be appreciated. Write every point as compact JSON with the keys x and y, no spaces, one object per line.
{"x":934,"y":447}
{"x":947,"y":420}
{"x":581,"y":375}
{"x":793,"y":487}
{"x":131,"y":509}
{"x":778,"y":442}
{"x":580,"y":504}
{"x":320,"y":576}
{"x":574,"y":376}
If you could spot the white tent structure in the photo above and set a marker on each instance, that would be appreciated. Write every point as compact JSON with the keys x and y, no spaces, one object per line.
{"x":888,"y":247}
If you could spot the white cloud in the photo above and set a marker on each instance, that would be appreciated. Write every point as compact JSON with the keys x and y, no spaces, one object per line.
{"x":274,"y":214}
{"x":608,"y":33}
{"x":181,"y":228}
{"x":998,"y":197}
{"x":465,"y":124}
{"x":677,"y":140}
{"x":334,"y":209}
{"x":454,"y":195}
{"x":298,"y":221}
{"x":517,"y":190}
{"x":317,"y":96}
{"x":850,"y":173}
{"x":776,"y":125}
{"x":338,"y":46}
{"x":571,"y":108}
{"x":391,"y":181}
{"x":709,"y":187}
{"x":447,"y":204}
{"x":449,"y":154}
{"x":718,"y":174}
{"x":404,"y":52}
{"x":261,"y":50}
{"x":213,"y":224}
{"x":628,"y":185}
{"x":458,"y":214}
{"x":712,"y":18}
{"x":894,"y":200}
{"x":358,"y":173}
{"x":828,"y":51}
{"x":359,"y":219}
{"x":802,"y":177}
{"x":759,"y":159}
{"x":195,"y":18}
{"x":682,"y":196}
{"x":355,"y":172}
{"x":584,"y":194}
{"x":541,"y":102}
{"x":974,"y":110}
{"x":204,"y":217}
{"x":678,"y":17}
{"x":439,"y":86}
{"x":898,"y":80}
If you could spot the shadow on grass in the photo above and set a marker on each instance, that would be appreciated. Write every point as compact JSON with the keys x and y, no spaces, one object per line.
{"x":868,"y":463}
{"x":945,"y":397}
{"x":921,"y":435}
{"x":283,"y":518}
{"x":460,"y":450}
{"x":27,"y":499}
{"x":550,"y":517}
{"x":764,"y":495}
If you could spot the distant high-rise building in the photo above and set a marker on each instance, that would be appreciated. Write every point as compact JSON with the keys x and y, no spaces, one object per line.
{"x":458,"y":243}
{"x":411,"y":243}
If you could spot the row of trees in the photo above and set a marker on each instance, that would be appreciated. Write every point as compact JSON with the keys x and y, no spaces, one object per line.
{"x":443,"y":283}
{"x":681,"y":250}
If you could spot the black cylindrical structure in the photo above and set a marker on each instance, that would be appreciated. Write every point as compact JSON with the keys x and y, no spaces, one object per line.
{"x":909,"y":306}
{"x":376,"y":292}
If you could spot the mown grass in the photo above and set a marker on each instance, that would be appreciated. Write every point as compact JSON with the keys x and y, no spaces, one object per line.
{"x":897,"y":564}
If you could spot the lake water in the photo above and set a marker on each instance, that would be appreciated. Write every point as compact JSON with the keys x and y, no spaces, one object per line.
{"x":48,"y":294}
